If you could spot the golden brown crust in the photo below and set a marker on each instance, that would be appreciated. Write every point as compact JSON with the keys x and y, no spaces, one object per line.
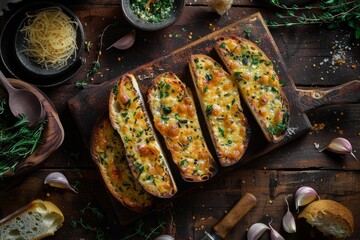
{"x":146,"y":159}
{"x":24,"y":218}
{"x":325,"y":213}
{"x":258,"y":83}
{"x":174,"y":113}
{"x":220,"y":103}
{"x":108,"y":153}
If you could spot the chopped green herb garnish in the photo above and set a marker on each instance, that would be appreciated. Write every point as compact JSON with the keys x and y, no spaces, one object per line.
{"x":209,"y":109}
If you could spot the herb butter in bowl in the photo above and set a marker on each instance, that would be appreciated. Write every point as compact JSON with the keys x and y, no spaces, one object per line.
{"x":151,"y":15}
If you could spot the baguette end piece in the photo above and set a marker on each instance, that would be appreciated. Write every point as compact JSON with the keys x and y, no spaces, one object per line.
{"x":331,"y":218}
{"x":36,"y":220}
{"x":108,"y":153}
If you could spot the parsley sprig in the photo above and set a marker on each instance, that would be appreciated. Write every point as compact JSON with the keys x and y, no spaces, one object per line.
{"x":333,"y":13}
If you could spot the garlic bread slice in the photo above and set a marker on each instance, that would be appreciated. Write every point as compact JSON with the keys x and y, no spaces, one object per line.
{"x":175,"y":117}
{"x":220,"y":102}
{"x":107,"y":151}
{"x":146,"y":159}
{"x":258,"y":83}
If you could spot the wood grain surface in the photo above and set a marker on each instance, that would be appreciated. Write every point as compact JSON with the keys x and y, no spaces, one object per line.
{"x":309,"y":53}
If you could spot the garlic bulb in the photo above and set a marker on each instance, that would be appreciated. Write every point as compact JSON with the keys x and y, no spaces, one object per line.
{"x":58,"y":180}
{"x":304,"y":196}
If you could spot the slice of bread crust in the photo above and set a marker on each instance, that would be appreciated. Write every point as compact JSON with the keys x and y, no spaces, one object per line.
{"x":220,"y":103}
{"x":331,"y":218}
{"x":36,"y":220}
{"x":258,"y":83}
{"x":108,"y":153}
{"x":145,"y":156}
{"x":174,"y":113}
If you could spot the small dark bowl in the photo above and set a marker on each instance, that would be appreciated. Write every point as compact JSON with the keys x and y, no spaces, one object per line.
{"x":139,"y":23}
{"x":20,"y":44}
{"x":20,"y":66}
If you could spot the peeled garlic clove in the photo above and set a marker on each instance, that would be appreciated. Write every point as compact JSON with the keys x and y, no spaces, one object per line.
{"x":304,"y":196}
{"x":125,"y":42}
{"x":165,"y":237}
{"x":274,"y":235}
{"x":58,"y":180}
{"x":288,"y":221}
{"x":341,"y":146}
{"x":256,"y":230}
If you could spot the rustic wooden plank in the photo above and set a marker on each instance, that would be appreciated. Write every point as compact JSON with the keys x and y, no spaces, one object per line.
{"x":270,"y":188}
{"x":200,"y":210}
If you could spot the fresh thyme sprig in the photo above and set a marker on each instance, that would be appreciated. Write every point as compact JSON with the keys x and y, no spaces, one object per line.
{"x":100,"y":234}
{"x":152,"y":232}
{"x":333,"y":13}
{"x":96,"y":64}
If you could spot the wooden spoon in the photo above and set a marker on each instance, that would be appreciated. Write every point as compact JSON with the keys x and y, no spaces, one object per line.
{"x":23,"y":102}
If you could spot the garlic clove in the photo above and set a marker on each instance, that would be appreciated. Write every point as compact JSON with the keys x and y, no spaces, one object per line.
{"x":340,"y":146}
{"x":125,"y":42}
{"x":256,"y":230}
{"x":165,"y":237}
{"x":305,"y":195}
{"x":274,"y":235}
{"x":58,"y":180}
{"x":288,"y":221}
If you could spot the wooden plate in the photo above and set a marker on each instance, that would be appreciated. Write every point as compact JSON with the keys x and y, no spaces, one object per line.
{"x":52,"y":136}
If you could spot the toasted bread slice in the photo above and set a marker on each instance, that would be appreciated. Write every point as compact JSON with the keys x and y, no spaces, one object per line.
{"x":174,"y":113}
{"x":220,"y":102}
{"x":146,"y":159}
{"x":258,"y":83}
{"x":107,"y":151}
{"x":36,"y":220}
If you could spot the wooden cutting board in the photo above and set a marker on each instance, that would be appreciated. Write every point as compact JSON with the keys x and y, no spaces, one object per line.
{"x":91,"y":103}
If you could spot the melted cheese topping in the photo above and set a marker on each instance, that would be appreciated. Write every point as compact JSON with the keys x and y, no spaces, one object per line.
{"x":220,"y":102}
{"x":109,"y":153}
{"x":175,"y":118}
{"x":146,"y":159}
{"x":258,"y":82}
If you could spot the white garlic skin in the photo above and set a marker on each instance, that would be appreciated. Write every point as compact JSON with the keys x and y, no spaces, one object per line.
{"x":256,"y":230}
{"x":288,"y":221}
{"x":58,"y":180}
{"x":274,"y":235}
{"x":165,"y":237}
{"x":305,"y":195}
{"x":340,"y":146}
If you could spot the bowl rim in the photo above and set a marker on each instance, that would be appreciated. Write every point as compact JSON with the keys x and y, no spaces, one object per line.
{"x":14,"y":66}
{"x":25,"y":61}
{"x":149,"y":26}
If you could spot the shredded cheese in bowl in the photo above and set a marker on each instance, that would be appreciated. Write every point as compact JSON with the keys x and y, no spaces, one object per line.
{"x":50,"y":37}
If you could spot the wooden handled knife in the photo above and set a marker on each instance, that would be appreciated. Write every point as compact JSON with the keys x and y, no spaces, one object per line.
{"x":222,"y":228}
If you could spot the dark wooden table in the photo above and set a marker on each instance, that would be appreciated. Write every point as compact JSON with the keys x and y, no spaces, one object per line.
{"x":310,"y":54}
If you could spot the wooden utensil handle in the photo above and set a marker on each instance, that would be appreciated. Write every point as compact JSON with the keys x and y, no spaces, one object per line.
{"x":242,"y":207}
{"x":344,"y":93}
